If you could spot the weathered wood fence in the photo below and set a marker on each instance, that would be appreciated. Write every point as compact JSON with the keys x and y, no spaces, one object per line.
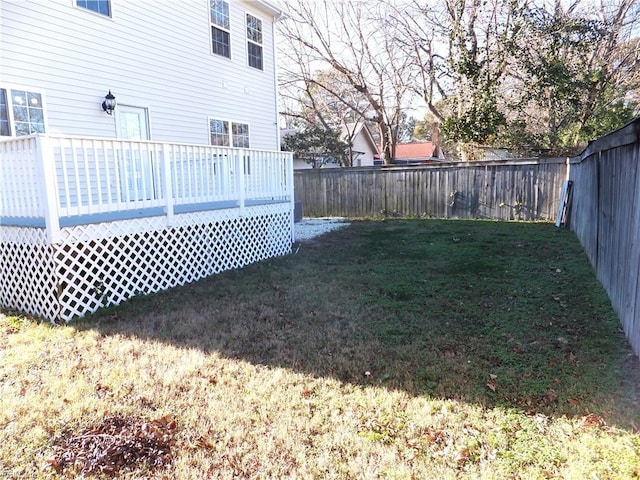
{"x":526,"y":189}
{"x":605,"y":215}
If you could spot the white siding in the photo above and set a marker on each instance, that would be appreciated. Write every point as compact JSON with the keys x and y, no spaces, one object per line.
{"x":362,"y":144}
{"x":154,"y":54}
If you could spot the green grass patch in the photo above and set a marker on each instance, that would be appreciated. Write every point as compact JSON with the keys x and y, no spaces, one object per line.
{"x":388,"y":349}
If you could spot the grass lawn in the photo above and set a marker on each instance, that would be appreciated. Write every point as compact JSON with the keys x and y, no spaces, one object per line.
{"x":401,"y":349}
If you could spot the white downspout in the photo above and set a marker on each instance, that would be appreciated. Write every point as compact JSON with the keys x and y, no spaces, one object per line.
{"x":289,"y":162}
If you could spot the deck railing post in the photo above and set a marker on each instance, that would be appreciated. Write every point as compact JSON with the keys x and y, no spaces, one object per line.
{"x":48,"y":187}
{"x":288,"y":165}
{"x":168,"y":182}
{"x":241,"y":180}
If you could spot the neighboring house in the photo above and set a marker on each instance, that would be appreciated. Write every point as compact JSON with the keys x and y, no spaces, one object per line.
{"x":362,"y":150}
{"x":139,"y":148}
{"x":417,"y":153}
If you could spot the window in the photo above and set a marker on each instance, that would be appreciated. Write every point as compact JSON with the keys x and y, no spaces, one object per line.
{"x":223,"y":136}
{"x":103,"y":7}
{"x":220,"y":34}
{"x":5,"y":131}
{"x":240,"y":135}
{"x":219,"y":131}
{"x":21,"y":113}
{"x":254,"y":43}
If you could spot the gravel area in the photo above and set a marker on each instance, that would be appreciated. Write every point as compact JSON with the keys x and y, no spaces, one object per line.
{"x":309,"y":228}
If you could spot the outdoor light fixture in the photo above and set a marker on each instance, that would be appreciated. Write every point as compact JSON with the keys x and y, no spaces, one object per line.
{"x":109,"y":104}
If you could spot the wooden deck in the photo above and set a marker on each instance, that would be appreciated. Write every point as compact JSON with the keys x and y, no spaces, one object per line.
{"x":90,"y":222}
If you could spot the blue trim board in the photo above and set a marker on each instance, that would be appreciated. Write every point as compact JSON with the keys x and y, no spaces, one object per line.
{"x":35,"y":222}
{"x":72,"y":221}
{"x":110,"y":216}
{"x":252,"y":202}
{"x":203,"y":207}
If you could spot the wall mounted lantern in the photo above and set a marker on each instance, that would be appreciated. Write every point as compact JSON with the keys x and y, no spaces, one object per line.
{"x":109,"y":104}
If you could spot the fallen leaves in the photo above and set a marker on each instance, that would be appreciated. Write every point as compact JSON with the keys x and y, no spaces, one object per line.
{"x":116,"y":444}
{"x":491,"y":383}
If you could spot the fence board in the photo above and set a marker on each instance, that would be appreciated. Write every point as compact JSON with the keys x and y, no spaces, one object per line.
{"x":605,"y":215}
{"x":526,"y":189}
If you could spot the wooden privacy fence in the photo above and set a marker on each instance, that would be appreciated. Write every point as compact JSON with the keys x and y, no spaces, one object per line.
{"x":526,"y":189}
{"x":605,"y":215}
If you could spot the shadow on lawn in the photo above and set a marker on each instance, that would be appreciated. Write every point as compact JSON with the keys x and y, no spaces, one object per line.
{"x":499,"y":314}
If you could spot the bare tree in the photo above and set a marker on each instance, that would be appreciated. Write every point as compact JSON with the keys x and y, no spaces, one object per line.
{"x":351,"y":40}
{"x":546,"y":72}
{"x":460,"y":46}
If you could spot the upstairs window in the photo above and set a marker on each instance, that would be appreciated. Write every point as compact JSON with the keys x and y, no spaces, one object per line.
{"x":223,"y":136}
{"x":103,"y":7}
{"x":254,"y":41}
{"x":220,"y":25}
{"x":21,"y":113}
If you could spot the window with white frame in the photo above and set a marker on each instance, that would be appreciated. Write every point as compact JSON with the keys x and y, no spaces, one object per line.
{"x":103,"y":7}
{"x":220,"y":28}
{"x":224,"y":133}
{"x":254,"y":41}
{"x":219,"y":132}
{"x":21,"y":112}
{"x":240,"y":135}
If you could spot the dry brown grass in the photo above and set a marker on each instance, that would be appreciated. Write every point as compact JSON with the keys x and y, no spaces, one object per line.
{"x":405,"y":349}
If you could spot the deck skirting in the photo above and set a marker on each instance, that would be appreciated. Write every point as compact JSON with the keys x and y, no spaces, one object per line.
{"x":102,"y":264}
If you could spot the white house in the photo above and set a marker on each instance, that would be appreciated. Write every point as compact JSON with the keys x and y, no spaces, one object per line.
{"x":139,"y":148}
{"x":362,"y":147}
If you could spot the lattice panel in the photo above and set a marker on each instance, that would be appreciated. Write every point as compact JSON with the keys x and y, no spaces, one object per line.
{"x":27,"y":280}
{"x":95,"y":271}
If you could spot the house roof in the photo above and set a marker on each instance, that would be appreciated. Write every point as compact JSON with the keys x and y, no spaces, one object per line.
{"x":358,"y":128}
{"x":405,"y":151}
{"x":273,"y":8}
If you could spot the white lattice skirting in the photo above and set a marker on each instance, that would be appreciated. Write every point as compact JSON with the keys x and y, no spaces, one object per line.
{"x":104,"y":264}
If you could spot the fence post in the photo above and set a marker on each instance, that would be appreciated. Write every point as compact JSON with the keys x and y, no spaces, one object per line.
{"x":168,"y":183}
{"x":48,"y":187}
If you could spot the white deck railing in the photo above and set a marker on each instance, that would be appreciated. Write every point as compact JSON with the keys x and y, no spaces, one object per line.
{"x":46,"y":178}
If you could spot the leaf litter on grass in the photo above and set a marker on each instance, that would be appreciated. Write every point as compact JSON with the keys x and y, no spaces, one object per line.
{"x":117,"y":444}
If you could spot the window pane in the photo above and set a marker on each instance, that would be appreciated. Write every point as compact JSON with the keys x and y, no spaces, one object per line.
{"x":254,"y":29}
{"x":36,"y":115}
{"x":4,"y":114}
{"x":22,"y":128}
{"x":20,"y":114}
{"x":19,"y":98}
{"x":220,"y":13}
{"x":221,"y":42}
{"x":34,"y":99}
{"x":103,"y":7}
{"x":36,"y":127}
{"x":255,"y":55}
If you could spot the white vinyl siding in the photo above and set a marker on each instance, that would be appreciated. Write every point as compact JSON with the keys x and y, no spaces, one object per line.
{"x":156,"y":55}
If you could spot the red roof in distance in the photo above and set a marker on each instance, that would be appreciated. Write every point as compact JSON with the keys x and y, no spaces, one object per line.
{"x":414,"y":150}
